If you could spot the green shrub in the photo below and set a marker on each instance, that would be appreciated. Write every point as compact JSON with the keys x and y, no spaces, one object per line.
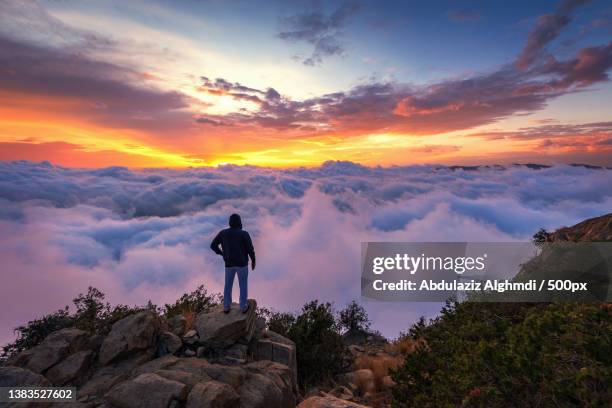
{"x":281,"y":323}
{"x":194,"y":302}
{"x":34,"y":332}
{"x":354,"y":318}
{"x":91,"y":314}
{"x":511,"y":354}
{"x":321,"y":353}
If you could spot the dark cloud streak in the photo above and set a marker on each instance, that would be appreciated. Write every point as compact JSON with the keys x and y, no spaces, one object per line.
{"x":321,"y":31}
{"x":548,"y":27}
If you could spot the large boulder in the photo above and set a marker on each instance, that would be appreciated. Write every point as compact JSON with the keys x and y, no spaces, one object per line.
{"x":54,"y":348}
{"x":268,"y":384}
{"x":220,"y":330}
{"x":21,"y":377}
{"x":259,"y":384}
{"x":133,"y":333}
{"x":212,"y":394}
{"x":104,"y":378}
{"x":178,"y":324}
{"x":72,"y":368}
{"x":146,"y":391}
{"x":328,"y":402}
{"x":274,"y":347}
{"x":170,"y":342}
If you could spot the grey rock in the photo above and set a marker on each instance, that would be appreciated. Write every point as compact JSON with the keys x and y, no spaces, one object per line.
{"x":237,"y":351}
{"x":72,"y":368}
{"x":52,"y":350}
{"x":189,"y":353}
{"x":212,"y":394}
{"x":108,"y":376}
{"x":267,"y":384}
{"x":130,"y":334}
{"x":162,"y":363}
{"x":328,"y":402}
{"x":191,"y":338}
{"x":21,"y":377}
{"x":221,"y":330}
{"x":260,"y":327}
{"x":171,"y":342}
{"x":274,"y":347}
{"x":189,"y":379}
{"x":146,"y":391}
{"x":178,"y":324}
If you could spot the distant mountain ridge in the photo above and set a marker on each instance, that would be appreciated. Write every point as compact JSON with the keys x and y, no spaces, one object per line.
{"x":593,"y":229}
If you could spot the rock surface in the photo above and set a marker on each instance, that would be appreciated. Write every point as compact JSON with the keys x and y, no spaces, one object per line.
{"x":141,"y":363}
{"x":171,"y":342}
{"x":220,"y":330}
{"x":72,"y":368}
{"x":133,"y":333}
{"x":53,"y":349}
{"x":274,"y":347}
{"x":146,"y":391}
{"x":328,"y":402}
{"x":16,"y":376}
{"x":212,"y":394}
{"x":593,"y":229}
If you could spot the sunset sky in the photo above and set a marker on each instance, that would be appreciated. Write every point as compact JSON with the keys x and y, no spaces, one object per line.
{"x":284,"y":83}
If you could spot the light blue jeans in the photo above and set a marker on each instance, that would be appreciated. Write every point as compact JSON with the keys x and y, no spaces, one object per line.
{"x":243,"y":274}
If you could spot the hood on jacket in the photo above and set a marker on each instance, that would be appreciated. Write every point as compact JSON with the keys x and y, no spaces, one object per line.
{"x":235,"y":221}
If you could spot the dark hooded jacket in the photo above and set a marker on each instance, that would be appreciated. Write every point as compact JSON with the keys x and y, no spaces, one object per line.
{"x":236,"y":245}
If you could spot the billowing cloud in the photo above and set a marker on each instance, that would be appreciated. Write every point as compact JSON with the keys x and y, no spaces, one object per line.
{"x":319,"y":30}
{"x":141,"y":235}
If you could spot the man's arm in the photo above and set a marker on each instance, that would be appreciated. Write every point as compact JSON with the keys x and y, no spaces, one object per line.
{"x":214,"y":245}
{"x":250,"y":249}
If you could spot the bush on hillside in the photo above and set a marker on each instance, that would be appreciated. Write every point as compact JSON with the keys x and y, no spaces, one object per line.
{"x":354,"y":318}
{"x":194,"y":302}
{"x":511,"y":354}
{"x":281,"y":322}
{"x":321,"y":353}
{"x":91,"y":314}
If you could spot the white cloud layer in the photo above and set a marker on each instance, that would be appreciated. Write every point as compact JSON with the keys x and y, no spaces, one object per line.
{"x":140,"y":235}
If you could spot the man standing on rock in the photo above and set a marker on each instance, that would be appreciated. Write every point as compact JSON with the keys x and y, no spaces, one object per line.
{"x":236,"y":249}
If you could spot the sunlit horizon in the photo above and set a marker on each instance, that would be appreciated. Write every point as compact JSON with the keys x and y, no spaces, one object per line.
{"x":188,"y":84}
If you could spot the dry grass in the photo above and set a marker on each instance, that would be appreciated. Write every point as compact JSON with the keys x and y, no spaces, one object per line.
{"x":402,"y":347}
{"x":380,"y":365}
{"x":190,"y":317}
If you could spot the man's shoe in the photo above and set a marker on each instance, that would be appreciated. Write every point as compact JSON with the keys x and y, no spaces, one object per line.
{"x":247,"y":309}
{"x":226,"y":311}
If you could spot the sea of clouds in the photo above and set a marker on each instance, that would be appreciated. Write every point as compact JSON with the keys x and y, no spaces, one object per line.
{"x":145,"y":234}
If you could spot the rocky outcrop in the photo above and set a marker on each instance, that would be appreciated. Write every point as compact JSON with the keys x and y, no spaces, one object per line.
{"x":328,"y":402}
{"x":21,"y":377}
{"x":71,"y":369}
{"x":146,"y":391}
{"x":146,"y":361}
{"x":53,"y":349}
{"x":594,"y":229}
{"x":129,"y":335}
{"x":212,"y":394}
{"x":274,"y":347}
{"x":219,"y":330}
